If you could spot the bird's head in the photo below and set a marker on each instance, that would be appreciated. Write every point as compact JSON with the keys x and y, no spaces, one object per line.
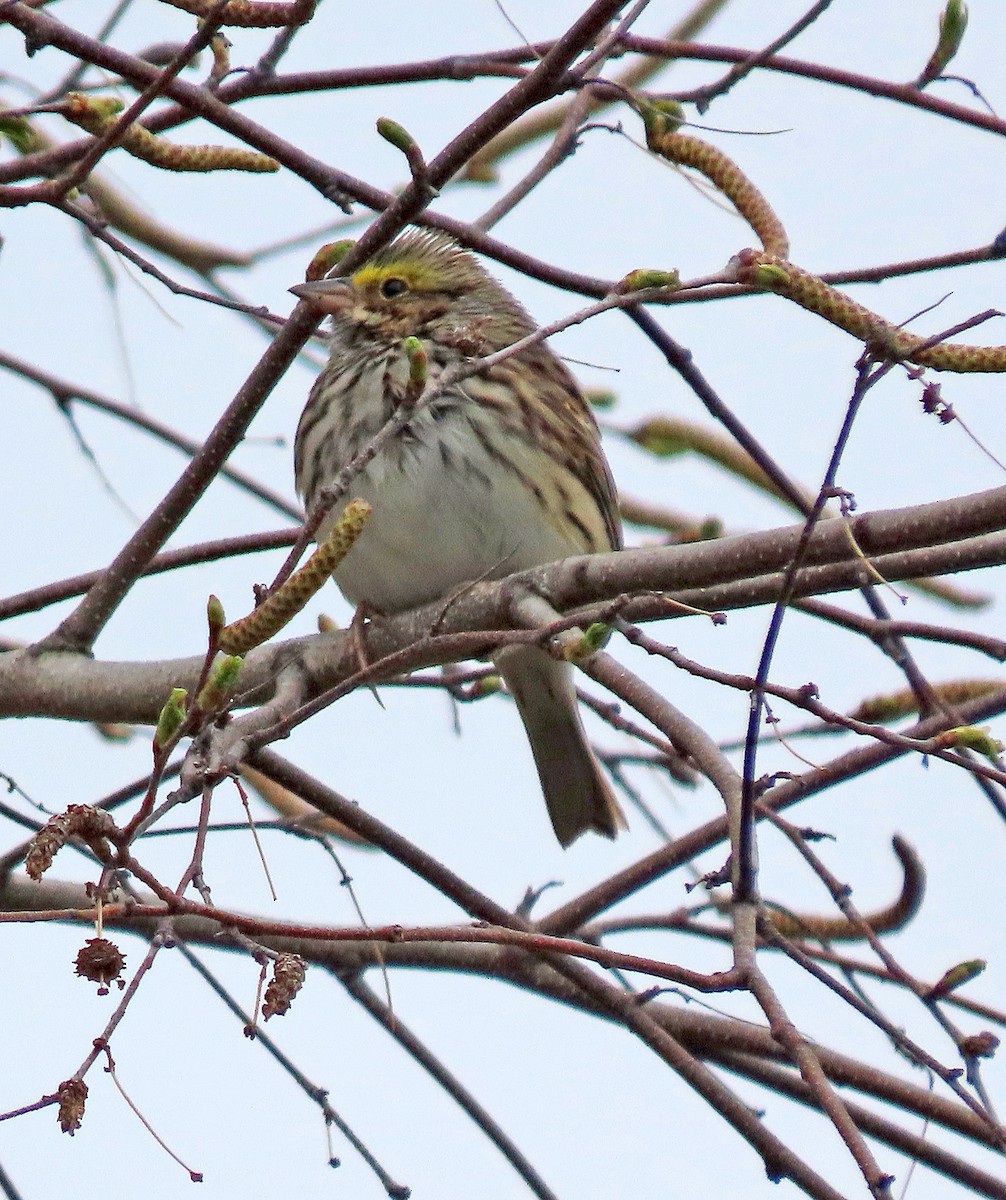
{"x":423,"y":284}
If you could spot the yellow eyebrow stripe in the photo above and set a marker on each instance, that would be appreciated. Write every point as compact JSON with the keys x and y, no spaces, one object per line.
{"x":416,"y":275}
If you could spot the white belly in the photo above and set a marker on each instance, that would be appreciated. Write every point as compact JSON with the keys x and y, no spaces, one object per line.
{"x":435,"y":527}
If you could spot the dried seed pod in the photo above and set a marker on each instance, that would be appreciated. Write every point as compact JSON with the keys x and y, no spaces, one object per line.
{"x":72,"y":1095}
{"x":91,"y":825}
{"x":101,"y":961}
{"x":979,"y":1045}
{"x":287,"y":980}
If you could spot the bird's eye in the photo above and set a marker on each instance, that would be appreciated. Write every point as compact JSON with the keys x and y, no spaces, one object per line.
{"x":393,"y":287}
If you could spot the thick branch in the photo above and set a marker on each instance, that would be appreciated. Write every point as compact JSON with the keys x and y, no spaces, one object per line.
{"x":730,"y":573}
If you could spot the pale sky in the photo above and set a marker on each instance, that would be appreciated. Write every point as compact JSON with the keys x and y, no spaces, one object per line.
{"x":858,"y":181}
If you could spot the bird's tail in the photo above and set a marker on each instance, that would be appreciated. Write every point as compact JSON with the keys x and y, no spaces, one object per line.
{"x":577,"y":794}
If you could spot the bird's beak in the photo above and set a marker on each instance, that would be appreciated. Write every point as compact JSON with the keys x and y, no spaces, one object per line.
{"x":327,"y":295}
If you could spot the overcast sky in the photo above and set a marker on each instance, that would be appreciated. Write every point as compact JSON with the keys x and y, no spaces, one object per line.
{"x":858,"y":181}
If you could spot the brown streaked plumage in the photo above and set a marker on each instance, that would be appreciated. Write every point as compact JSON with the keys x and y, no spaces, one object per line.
{"x":501,"y":472}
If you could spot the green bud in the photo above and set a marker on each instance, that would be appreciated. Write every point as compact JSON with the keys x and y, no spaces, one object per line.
{"x":592,"y":639}
{"x":418,"y":362}
{"x":668,"y":108}
{"x":487,"y":686}
{"x":596,"y":635}
{"x":646,"y":277}
{"x":327,"y":257}
{"x":221,"y":682}
{"x":953,"y":23}
{"x":660,"y":115}
{"x":102,"y":107}
{"x":956,"y":977}
{"x":396,"y":134}
{"x":215,"y":616}
{"x":227,"y":671}
{"x":171,"y":717}
{"x":972,"y":737}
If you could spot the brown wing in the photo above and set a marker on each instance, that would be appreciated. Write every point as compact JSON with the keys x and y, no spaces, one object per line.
{"x":553,"y":408}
